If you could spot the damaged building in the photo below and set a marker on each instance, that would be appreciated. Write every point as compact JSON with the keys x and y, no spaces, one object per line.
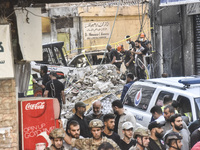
{"x":88,"y":25}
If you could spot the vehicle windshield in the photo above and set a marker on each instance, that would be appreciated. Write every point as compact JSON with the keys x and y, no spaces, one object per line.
{"x":197,"y":105}
{"x":89,"y":59}
{"x":139,"y":96}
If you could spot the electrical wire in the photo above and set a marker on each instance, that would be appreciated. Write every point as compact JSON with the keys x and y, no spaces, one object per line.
{"x":111,"y":31}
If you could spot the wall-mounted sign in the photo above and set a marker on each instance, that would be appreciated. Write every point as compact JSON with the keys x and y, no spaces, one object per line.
{"x":96,"y":30}
{"x":193,"y":9}
{"x":29,"y":26}
{"x":176,"y":2}
{"x":6,"y":56}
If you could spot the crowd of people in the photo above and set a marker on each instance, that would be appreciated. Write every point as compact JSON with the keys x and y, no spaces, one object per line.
{"x":119,"y":130}
{"x":134,"y":58}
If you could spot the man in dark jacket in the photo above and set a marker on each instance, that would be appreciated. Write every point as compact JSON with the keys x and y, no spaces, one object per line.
{"x":130,"y":42}
{"x":114,"y":57}
{"x":129,"y":81}
{"x":156,"y":142}
{"x":55,"y":89}
{"x":127,"y":58}
{"x":80,"y":108}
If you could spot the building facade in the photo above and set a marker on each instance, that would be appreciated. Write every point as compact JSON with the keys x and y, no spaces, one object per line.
{"x":87,"y":26}
{"x":175,"y":37}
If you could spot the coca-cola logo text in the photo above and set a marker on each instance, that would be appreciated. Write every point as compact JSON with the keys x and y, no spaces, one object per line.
{"x":35,"y":109}
{"x":39,"y":105}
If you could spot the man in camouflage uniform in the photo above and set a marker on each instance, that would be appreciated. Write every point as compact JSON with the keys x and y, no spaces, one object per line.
{"x":141,"y":134}
{"x":96,"y":128}
{"x":56,"y":136}
{"x":173,"y":140}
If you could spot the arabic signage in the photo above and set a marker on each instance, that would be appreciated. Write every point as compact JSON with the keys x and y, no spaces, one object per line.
{"x":6,"y":56}
{"x":96,"y":30}
{"x":176,"y":2}
{"x":193,"y":9}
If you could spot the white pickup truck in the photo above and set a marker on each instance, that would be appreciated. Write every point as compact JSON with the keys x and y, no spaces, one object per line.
{"x":144,"y":94}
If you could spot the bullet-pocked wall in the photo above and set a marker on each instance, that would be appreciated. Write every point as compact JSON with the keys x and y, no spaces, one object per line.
{"x":101,"y":19}
{"x":8,"y":115}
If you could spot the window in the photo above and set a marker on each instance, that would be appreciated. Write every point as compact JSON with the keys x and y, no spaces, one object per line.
{"x":139,"y":96}
{"x":197,"y":105}
{"x":64,"y":23}
{"x":184,"y":107}
{"x":94,"y":59}
{"x":79,"y":62}
{"x":98,"y":58}
{"x":161,"y":95}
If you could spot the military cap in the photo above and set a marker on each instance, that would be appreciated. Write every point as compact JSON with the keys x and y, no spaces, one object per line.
{"x":96,"y":123}
{"x":57,"y":133}
{"x":172,"y":136}
{"x":141,"y":131}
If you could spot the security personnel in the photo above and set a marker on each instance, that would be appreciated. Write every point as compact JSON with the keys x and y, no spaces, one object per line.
{"x":96,"y":128}
{"x":141,"y":134}
{"x":173,"y":140}
{"x":30,"y":92}
{"x":56,"y":136}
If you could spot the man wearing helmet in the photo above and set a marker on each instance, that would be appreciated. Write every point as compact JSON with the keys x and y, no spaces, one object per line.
{"x":96,"y":128}
{"x":141,"y":134}
{"x":173,"y":140}
{"x":56,"y":136}
{"x":177,"y":126}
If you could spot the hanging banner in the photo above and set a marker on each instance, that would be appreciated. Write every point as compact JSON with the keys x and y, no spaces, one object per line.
{"x":96,"y":30}
{"x":176,"y":2}
{"x":29,"y":25}
{"x":6,"y":56}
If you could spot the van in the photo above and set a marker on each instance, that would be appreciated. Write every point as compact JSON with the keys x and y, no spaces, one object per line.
{"x":144,"y":94}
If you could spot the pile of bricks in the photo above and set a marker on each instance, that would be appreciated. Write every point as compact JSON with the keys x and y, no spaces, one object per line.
{"x":103,"y":79}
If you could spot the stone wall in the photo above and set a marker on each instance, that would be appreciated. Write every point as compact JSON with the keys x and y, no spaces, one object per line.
{"x":8,"y":115}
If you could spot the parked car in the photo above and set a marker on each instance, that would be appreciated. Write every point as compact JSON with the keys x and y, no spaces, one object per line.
{"x":54,"y":58}
{"x":144,"y":94}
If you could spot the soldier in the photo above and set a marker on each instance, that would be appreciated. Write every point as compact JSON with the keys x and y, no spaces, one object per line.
{"x":96,"y":128}
{"x":173,"y":140}
{"x":141,"y":134}
{"x":177,"y":126}
{"x":56,"y":136}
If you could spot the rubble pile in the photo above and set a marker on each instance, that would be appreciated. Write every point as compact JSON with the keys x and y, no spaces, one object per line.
{"x":102,"y":79}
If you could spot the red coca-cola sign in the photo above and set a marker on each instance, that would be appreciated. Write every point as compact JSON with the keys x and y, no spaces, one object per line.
{"x":35,"y":108}
{"x":37,"y":120}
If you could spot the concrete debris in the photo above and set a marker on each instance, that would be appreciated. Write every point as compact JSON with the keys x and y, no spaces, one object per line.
{"x":102,"y":79}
